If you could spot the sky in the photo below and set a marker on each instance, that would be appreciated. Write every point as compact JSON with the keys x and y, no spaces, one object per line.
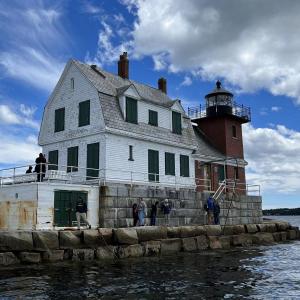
{"x":251,"y":46}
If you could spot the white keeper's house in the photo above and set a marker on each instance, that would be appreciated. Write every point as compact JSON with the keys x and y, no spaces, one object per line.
{"x":109,"y":126}
{"x":111,"y":140}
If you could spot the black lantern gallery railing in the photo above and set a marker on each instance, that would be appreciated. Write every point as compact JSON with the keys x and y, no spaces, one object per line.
{"x":237,"y":110}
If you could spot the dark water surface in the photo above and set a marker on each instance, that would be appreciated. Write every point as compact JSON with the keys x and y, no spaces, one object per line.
{"x":271,"y":272}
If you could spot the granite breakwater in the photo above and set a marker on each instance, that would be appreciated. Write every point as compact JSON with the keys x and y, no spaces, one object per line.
{"x":33,"y":247}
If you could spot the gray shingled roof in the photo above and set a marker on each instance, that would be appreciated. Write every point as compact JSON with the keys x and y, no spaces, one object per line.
{"x":110,"y":86}
{"x":204,"y":148}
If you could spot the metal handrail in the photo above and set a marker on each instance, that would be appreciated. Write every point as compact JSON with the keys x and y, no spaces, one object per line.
{"x":72,"y":174}
{"x":238,"y":110}
{"x":17,"y":175}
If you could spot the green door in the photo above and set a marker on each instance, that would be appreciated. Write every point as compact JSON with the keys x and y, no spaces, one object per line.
{"x":65,"y":207}
{"x":153,"y":165}
{"x":92,"y":161}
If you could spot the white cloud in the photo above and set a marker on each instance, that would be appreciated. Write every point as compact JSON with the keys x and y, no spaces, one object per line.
{"x":15,"y":150}
{"x":187,"y":81}
{"x":23,"y":118}
{"x":32,"y":66}
{"x":7,"y":116}
{"x":273,"y":156}
{"x":27,"y":111}
{"x":114,"y":38}
{"x":33,"y":35}
{"x":91,"y":9}
{"x":252,"y":44}
{"x":160,"y":61}
{"x":275,"y":108}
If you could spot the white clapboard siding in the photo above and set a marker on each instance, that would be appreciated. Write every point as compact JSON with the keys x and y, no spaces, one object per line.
{"x":70,"y":99}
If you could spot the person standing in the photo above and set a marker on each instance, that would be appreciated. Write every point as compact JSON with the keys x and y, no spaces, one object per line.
{"x":153,"y":213}
{"x":166,"y":208}
{"x":135,"y":215}
{"x":210,"y":210}
{"x":216,"y":212}
{"x":40,"y":167}
{"x":142,"y":212}
{"x":29,"y":170}
{"x":81,"y":211}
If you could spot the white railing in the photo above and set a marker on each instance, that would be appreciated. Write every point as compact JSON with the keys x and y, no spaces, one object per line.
{"x":204,"y":184}
{"x":79,"y":175}
{"x":234,"y":186}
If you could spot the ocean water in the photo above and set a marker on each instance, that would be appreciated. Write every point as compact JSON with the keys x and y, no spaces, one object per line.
{"x":269,"y":272}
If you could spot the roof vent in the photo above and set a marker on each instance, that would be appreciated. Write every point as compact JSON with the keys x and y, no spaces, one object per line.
{"x":94,"y":67}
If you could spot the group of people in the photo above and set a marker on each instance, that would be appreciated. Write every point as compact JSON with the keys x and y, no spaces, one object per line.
{"x":40,"y":167}
{"x":212,"y":208}
{"x":139,"y":212}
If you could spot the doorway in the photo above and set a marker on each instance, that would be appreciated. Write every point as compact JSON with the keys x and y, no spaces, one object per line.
{"x":65,"y":207}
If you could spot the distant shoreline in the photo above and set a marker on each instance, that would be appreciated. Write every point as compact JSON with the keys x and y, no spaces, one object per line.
{"x":281,"y":212}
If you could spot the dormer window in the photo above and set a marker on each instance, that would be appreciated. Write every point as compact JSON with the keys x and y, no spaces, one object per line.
{"x":153,"y":118}
{"x":176,"y":122}
{"x":131,"y":110}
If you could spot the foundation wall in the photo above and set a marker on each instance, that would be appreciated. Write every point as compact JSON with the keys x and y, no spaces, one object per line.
{"x":187,"y":206}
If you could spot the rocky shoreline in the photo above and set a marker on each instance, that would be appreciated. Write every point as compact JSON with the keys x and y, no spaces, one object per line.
{"x":30,"y":247}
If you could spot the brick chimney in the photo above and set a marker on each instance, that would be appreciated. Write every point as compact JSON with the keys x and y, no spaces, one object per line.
{"x":162,"y":85}
{"x":123,"y":66}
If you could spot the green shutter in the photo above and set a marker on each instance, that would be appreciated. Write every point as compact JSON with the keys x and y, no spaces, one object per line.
{"x":176,"y":122}
{"x":84,"y":113}
{"x":153,"y":165}
{"x":92,"y":161}
{"x":53,"y":159}
{"x":184,"y":166}
{"x":153,"y":118}
{"x":131,"y":110}
{"x":72,"y":159}
{"x":59,"y":120}
{"x":169,"y":163}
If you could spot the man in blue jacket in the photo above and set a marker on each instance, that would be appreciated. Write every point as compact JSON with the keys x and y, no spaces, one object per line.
{"x":210,"y":210}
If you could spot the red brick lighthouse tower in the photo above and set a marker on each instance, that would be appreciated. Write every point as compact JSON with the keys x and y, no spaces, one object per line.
{"x":221,"y":124}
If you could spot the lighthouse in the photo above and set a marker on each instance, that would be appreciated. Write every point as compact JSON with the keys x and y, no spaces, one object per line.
{"x":220,"y":123}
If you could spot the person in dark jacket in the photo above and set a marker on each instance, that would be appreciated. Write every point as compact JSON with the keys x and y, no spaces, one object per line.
{"x":135,"y":215}
{"x":40,"y":167}
{"x":153,"y":213}
{"x":217,"y":213}
{"x":81,"y":211}
{"x":166,"y":208}
{"x":29,"y":170}
{"x":210,"y":210}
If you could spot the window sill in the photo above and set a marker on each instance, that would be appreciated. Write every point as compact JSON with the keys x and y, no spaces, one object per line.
{"x":136,"y":123}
